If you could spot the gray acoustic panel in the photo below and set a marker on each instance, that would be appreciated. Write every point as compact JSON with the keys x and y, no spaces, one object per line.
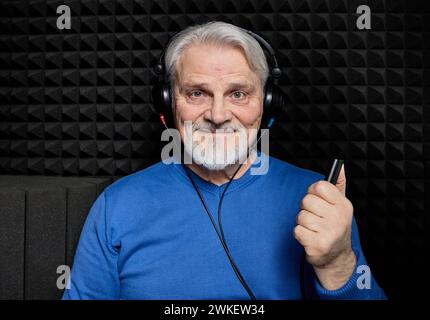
{"x":12,"y":241}
{"x":42,"y":218}
{"x":45,"y":241}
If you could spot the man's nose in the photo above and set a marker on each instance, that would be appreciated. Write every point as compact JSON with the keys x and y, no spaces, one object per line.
{"x":219,"y":113}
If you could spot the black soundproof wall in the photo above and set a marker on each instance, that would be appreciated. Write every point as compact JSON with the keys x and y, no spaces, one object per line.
{"x":76,"y":102}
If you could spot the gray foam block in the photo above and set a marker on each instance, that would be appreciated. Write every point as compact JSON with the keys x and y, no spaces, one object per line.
{"x":45,"y":241}
{"x":12,"y":229}
{"x":56,"y":209}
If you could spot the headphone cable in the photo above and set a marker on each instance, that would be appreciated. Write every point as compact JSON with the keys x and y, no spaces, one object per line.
{"x":221,"y":236}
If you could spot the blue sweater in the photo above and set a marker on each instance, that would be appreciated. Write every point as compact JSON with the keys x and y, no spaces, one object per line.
{"x":147,"y":236}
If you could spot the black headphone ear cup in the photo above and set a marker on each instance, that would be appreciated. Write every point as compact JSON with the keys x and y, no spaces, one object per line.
{"x":275,"y":101}
{"x":267,"y":100}
{"x":161,"y":99}
{"x":168,"y":104}
{"x":282,"y":101}
{"x":167,"y":97}
{"x":156,"y":96}
{"x":267,"y":95}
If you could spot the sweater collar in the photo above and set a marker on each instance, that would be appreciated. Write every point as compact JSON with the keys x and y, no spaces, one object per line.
{"x":208,"y":186}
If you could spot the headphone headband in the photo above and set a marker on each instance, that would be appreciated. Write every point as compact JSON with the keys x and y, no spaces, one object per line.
{"x":276,"y":72}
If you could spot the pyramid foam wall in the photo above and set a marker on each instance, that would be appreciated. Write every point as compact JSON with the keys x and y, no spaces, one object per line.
{"x":76,"y":102}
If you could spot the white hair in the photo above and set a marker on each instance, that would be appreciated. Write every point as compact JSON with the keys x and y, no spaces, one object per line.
{"x":220,"y":33}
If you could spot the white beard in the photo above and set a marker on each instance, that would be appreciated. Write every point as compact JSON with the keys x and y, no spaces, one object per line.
{"x":217,"y":151}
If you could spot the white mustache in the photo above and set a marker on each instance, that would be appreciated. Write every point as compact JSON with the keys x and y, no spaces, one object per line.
{"x":209,"y":128}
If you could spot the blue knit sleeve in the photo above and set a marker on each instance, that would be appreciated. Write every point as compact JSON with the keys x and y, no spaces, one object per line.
{"x":361,"y":285}
{"x":94,"y":273}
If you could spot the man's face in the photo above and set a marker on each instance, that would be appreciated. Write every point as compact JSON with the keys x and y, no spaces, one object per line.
{"x":217,"y":91}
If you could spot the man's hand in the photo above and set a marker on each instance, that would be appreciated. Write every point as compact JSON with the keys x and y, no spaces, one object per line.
{"x":324,"y":230}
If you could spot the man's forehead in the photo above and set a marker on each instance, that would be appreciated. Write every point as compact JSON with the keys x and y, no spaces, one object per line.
{"x":206,"y":60}
{"x":199,"y":81}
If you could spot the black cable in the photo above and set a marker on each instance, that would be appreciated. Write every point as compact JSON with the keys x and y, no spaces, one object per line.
{"x":245,"y":285}
{"x":221,"y":237}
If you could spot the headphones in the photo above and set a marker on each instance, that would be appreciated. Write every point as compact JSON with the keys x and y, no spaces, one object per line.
{"x":274,"y":99}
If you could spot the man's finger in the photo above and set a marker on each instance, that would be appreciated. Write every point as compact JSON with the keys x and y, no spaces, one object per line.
{"x":341,"y":181}
{"x":304,"y":236}
{"x":316,"y":205}
{"x":309,"y":220}
{"x":326,"y":191}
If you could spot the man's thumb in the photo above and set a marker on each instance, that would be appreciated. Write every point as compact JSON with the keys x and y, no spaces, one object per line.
{"x":341,"y":180}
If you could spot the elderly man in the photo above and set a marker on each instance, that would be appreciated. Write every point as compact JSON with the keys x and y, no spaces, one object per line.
{"x":285,"y":234}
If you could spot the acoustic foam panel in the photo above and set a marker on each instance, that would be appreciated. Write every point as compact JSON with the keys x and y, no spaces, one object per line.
{"x":42,"y":218}
{"x":12,"y":236}
{"x":76,"y":102}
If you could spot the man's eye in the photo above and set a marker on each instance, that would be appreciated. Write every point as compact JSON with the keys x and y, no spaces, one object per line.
{"x":238,"y":94}
{"x":196,"y":93}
